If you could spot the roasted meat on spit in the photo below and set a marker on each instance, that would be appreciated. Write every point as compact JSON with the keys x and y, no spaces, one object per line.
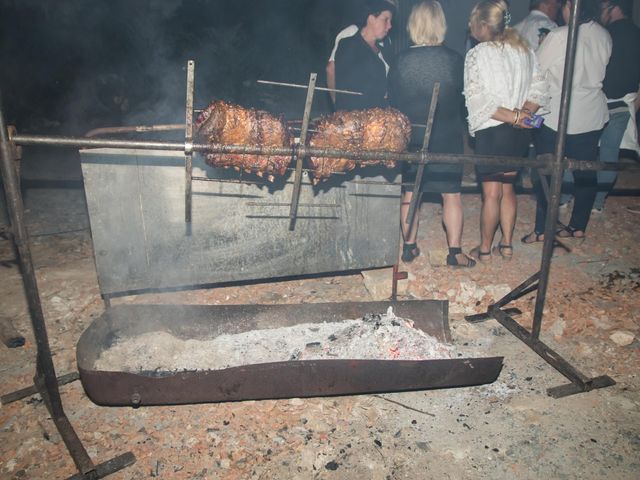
{"x":359,"y":130}
{"x":224,"y":123}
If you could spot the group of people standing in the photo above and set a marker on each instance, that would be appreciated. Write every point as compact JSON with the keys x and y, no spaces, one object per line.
{"x":503,"y":81}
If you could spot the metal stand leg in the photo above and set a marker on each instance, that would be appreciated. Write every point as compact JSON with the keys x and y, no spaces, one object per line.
{"x":544,"y":184}
{"x":107,"y":301}
{"x":579,"y":382}
{"x":45,"y":379}
{"x":32,"y":390}
{"x":397,"y":276}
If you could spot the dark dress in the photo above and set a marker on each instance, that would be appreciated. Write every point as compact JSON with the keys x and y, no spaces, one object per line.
{"x":501,"y":140}
{"x":359,"y":69}
{"x":411,"y":82}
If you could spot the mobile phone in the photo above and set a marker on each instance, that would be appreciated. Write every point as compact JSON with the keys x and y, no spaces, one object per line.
{"x":535,"y":121}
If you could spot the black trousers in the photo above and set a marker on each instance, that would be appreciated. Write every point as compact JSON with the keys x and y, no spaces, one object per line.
{"x":581,"y":146}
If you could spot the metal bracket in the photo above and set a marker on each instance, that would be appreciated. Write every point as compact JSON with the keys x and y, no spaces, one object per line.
{"x":297,"y":185}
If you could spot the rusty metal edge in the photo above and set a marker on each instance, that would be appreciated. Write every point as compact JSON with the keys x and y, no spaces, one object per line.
{"x":312,"y":378}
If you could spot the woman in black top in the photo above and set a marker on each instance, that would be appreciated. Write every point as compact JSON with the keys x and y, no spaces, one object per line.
{"x":360,"y":66}
{"x":411,"y":82}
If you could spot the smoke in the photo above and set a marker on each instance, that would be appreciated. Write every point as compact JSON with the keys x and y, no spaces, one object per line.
{"x":73,"y":65}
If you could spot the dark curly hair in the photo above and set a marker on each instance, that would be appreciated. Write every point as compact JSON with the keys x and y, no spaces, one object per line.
{"x":375,"y":8}
{"x":590,"y":11}
{"x":626,"y":6}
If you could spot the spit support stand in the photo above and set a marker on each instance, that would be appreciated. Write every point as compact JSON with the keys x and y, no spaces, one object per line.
{"x":540,"y":280}
{"x":188,"y":146}
{"x":297,"y":185}
{"x":554,"y":164}
{"x":45,"y":380}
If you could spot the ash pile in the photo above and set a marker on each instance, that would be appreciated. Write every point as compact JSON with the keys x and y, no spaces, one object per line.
{"x":373,"y":337}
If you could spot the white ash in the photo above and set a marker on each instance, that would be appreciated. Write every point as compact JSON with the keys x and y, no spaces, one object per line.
{"x":382,"y":337}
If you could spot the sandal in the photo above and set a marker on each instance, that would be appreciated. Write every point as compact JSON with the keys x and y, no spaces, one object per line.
{"x":476,"y":253}
{"x":452,"y":260}
{"x":533,"y":237}
{"x":570,"y":232}
{"x":409,"y":252}
{"x":502,"y":251}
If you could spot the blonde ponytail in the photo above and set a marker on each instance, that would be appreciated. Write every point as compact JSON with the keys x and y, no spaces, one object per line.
{"x":510,"y":36}
{"x":495,"y":15}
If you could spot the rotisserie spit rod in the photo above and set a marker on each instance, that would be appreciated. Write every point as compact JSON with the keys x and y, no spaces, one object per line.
{"x":542,"y":161}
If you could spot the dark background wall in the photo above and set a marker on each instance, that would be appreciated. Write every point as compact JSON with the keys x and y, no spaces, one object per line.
{"x":72,"y":65}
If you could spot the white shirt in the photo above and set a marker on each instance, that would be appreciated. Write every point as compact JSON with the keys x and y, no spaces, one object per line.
{"x":530,"y":27}
{"x":348,"y":32}
{"x":588,"y":104}
{"x":499,"y":75}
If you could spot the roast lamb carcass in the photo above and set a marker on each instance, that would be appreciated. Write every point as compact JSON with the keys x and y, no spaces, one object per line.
{"x":358,"y":130}
{"x":225,"y":123}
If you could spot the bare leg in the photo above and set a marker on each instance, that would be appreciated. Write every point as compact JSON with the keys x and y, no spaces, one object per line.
{"x":409,"y":234}
{"x":452,"y":218}
{"x":508,"y":209}
{"x":490,"y":213}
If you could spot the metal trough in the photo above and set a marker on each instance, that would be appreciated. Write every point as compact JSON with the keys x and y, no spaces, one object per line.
{"x":307,"y":378}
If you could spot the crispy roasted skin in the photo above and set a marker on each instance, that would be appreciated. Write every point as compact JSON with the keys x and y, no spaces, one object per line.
{"x":359,"y":130}
{"x":226,"y":123}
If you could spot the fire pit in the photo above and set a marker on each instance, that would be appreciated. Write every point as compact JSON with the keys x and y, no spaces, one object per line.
{"x":292,"y":377}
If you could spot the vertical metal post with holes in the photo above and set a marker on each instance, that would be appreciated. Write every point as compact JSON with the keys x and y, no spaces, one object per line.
{"x":188,"y":143}
{"x":297,"y":185}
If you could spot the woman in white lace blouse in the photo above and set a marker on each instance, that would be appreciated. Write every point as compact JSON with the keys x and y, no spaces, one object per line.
{"x":503,"y":86}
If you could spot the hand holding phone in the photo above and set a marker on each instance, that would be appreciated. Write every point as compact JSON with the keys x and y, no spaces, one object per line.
{"x":534,"y":121}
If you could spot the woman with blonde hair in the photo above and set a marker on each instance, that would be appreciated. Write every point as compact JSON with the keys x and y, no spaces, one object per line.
{"x":503,"y":86}
{"x":411,"y":82}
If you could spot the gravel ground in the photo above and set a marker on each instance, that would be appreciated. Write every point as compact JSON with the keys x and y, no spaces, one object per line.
{"x":508,"y":429}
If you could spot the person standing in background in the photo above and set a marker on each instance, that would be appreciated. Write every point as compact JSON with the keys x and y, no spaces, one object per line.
{"x":411,"y":81}
{"x":588,"y":112}
{"x":503,"y":86}
{"x":542,"y":15}
{"x":620,"y":85}
{"x":359,"y":64}
{"x":348,"y":32}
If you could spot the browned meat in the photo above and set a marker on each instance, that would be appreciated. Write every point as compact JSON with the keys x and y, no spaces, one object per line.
{"x":359,"y":130}
{"x":229,"y":124}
